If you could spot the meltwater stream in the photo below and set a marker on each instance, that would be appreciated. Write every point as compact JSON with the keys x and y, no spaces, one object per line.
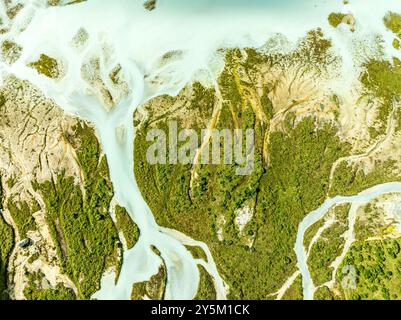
{"x":355,"y":201}
{"x":115,"y":131}
{"x":122,"y":32}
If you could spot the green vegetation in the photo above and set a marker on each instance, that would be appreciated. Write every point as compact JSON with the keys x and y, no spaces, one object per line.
{"x":75,"y":2}
{"x":6,"y":246}
{"x":21,"y":214}
{"x":80,"y":225}
{"x":6,"y":46}
{"x":392,"y":21}
{"x":14,"y":10}
{"x":36,"y":291}
{"x":154,"y":288}
{"x":11,"y":182}
{"x":314,"y":50}
{"x":294,"y":292}
{"x":329,"y":246}
{"x":397,"y":44}
{"x":378,"y":270}
{"x":115,"y":73}
{"x":266,"y":103}
{"x":323,"y":293}
{"x":257,"y":261}
{"x":47,"y":66}
{"x":206,"y":290}
{"x":371,"y":223}
{"x":58,"y":2}
{"x":127,"y":226}
{"x":295,"y":185}
{"x":383,"y":80}
{"x":311,"y":231}
{"x":53,"y":2}
{"x":33,"y":257}
{"x":350,"y":180}
{"x":197,"y":252}
{"x":10,"y":51}
{"x":335,"y":19}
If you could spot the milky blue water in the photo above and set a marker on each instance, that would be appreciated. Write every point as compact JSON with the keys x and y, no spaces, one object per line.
{"x":207,"y":6}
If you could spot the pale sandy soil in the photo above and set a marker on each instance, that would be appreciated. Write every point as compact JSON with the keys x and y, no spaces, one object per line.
{"x":33,"y":148}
